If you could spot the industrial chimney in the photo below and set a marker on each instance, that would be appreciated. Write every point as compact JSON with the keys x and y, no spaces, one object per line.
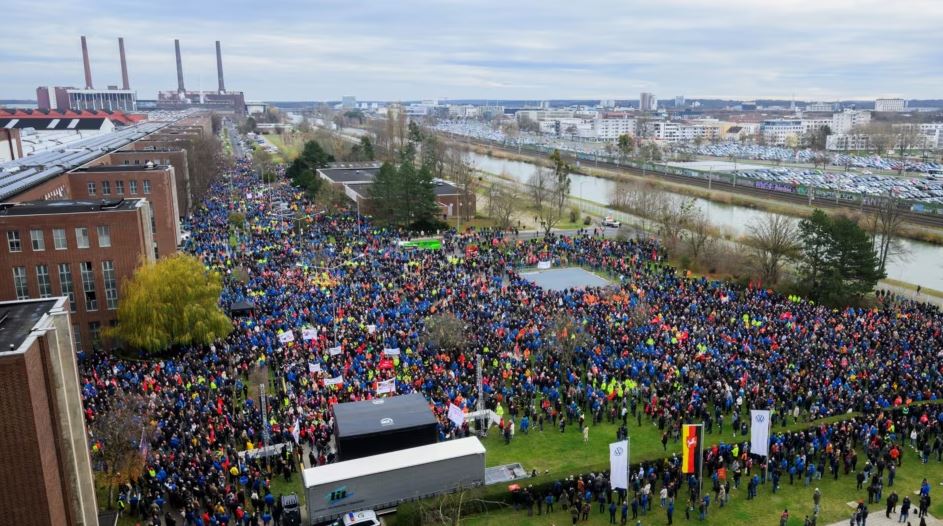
{"x":88,"y":66}
{"x":180,"y":88}
{"x":219,"y":68}
{"x":124,"y":65}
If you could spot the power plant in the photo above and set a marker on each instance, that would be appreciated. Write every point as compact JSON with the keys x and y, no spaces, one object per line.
{"x":89,"y":98}
{"x":124,"y":99}
{"x":220,"y":100}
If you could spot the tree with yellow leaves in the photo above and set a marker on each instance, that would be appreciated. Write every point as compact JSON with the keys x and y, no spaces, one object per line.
{"x":174,"y":301}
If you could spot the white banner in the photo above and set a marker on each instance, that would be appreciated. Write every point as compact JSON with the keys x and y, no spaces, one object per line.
{"x":543,"y":265}
{"x":759,"y":432}
{"x":286,"y":337}
{"x":456,"y":415}
{"x":371,"y":329}
{"x":619,"y":465}
{"x":309,"y":333}
{"x":386,"y":386}
{"x":296,"y":431}
{"x":334,"y":381}
{"x":314,"y":367}
{"x":334,"y":351}
{"x":391,"y":352}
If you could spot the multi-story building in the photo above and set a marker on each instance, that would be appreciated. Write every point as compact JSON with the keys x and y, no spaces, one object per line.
{"x":848,"y":142}
{"x":819,"y":107}
{"x":67,"y":98}
{"x":47,"y":474}
{"x":890,"y":105}
{"x":814,"y":125}
{"x":782,"y":132}
{"x":609,"y":128}
{"x":647,"y":102}
{"x":843,"y":122}
{"x":143,"y":154}
{"x":156,"y":183}
{"x":80,"y":249}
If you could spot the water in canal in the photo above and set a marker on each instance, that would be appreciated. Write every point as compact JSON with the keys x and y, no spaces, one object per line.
{"x":922,"y":266}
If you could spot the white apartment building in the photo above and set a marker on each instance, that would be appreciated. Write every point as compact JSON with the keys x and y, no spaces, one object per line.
{"x":777,"y":132}
{"x":819,"y":107}
{"x":890,"y":105}
{"x":843,"y":122}
{"x":813,"y":125}
{"x":608,"y":128}
{"x":847,"y":142}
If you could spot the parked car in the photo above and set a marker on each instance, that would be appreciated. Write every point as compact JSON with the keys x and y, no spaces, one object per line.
{"x":359,"y":518}
{"x":610,"y":222}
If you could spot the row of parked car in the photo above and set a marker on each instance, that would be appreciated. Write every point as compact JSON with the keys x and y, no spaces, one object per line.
{"x":777,"y":153}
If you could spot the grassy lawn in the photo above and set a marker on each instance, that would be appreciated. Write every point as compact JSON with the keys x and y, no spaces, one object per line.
{"x":565,"y":453}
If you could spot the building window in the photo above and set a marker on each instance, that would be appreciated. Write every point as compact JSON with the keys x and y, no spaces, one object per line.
{"x":77,"y":337}
{"x":91,"y":188}
{"x":65,"y":283}
{"x":13,"y":241}
{"x":153,"y":224}
{"x":19,"y":283}
{"x":81,"y":237}
{"x":104,"y":236}
{"x":133,"y":187}
{"x":95,"y":331}
{"x":147,"y":186}
{"x":106,"y":187}
{"x":119,"y":187}
{"x":42,"y":278}
{"x":88,"y":286}
{"x":58,"y":239}
{"x":36,"y":237}
{"x":111,"y":285}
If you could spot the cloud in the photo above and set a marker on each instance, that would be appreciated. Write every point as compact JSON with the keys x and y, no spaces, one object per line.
{"x":411,"y":49}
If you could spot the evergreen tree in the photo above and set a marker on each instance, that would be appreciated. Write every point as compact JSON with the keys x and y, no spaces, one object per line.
{"x":383,"y":192}
{"x":839,"y":263}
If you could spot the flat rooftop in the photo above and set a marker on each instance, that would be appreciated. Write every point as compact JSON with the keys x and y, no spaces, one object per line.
{"x":17,"y":319}
{"x":67,"y":206}
{"x":349,"y":175}
{"x":121,"y":168}
{"x":441,"y":188}
{"x":564,"y":278}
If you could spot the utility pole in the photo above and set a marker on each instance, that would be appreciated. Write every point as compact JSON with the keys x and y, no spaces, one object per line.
{"x":265,"y":431}
{"x":482,"y":430}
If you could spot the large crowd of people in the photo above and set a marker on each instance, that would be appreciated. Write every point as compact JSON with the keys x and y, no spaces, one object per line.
{"x":339,"y":308}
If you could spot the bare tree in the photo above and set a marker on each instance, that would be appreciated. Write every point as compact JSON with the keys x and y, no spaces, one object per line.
{"x":445,"y":331}
{"x":699,"y":236}
{"x":885,"y":225}
{"x":539,"y":185}
{"x":772,"y":240}
{"x":121,"y":434}
{"x":505,"y":201}
{"x":673,"y":218}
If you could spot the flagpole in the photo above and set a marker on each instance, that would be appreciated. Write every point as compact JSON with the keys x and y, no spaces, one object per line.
{"x":628,"y":464}
{"x":700,"y":459}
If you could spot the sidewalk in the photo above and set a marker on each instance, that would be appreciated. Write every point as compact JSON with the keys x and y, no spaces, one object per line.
{"x":876,"y":517}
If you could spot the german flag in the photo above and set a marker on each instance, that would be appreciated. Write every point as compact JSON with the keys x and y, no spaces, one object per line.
{"x":692,"y":448}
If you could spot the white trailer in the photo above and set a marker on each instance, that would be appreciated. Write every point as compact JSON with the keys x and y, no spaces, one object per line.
{"x":385,"y":480}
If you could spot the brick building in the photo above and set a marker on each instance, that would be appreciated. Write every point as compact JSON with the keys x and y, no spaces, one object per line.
{"x":156,"y":183}
{"x":80,"y":249}
{"x":143,"y":152}
{"x":47,"y":475}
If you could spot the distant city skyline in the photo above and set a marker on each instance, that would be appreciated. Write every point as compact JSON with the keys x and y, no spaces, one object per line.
{"x":412,"y":49}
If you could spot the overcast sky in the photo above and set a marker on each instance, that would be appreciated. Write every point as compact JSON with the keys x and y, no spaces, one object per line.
{"x":415,"y":49}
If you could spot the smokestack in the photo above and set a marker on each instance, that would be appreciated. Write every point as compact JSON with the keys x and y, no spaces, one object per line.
{"x":179,"y":68}
{"x":88,"y":66}
{"x":219,"y":68}
{"x":124,"y":65}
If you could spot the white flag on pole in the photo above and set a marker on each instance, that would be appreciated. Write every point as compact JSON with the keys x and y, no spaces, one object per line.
{"x":309,"y":333}
{"x":314,"y":367}
{"x":296,"y":431}
{"x":759,"y":432}
{"x":286,"y":337}
{"x":386,"y":386}
{"x":456,"y":415}
{"x":334,"y":351}
{"x":619,"y":464}
{"x":334,"y":381}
